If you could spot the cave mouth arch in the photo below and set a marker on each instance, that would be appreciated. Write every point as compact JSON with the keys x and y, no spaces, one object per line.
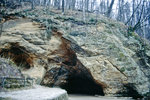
{"x":82,"y":84}
{"x":18,"y":54}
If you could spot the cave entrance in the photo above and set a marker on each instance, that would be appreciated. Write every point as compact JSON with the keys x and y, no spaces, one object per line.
{"x":18,"y":54}
{"x":81,"y":84}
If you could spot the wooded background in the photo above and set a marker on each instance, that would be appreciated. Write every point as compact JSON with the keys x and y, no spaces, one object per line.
{"x":134,"y":13}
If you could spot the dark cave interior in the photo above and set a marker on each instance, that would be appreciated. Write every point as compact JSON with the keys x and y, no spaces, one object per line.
{"x":81,"y":84}
{"x":18,"y":54}
{"x":130,"y":91}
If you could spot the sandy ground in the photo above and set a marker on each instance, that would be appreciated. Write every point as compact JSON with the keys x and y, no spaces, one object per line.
{"x":85,"y":97}
{"x":36,"y":93}
{"x":45,"y":93}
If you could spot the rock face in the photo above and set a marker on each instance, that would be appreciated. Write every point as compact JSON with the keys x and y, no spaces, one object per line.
{"x":19,"y":43}
{"x":99,"y":57}
{"x":9,"y":69}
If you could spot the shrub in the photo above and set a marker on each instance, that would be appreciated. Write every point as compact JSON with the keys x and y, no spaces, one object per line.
{"x":112,"y":25}
{"x":112,"y":46}
{"x":122,"y":56}
{"x":147,"y":94}
{"x":122,"y":69}
{"x":93,"y":20}
{"x":108,"y":31}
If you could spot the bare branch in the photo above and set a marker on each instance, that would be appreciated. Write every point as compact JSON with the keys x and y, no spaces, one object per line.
{"x":133,"y":13}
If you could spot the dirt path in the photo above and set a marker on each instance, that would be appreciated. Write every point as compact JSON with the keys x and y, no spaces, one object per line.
{"x":85,"y":97}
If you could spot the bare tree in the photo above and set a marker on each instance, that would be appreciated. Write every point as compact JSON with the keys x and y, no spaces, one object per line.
{"x":73,"y":4}
{"x":45,"y":2}
{"x":49,"y":4}
{"x":127,"y":11}
{"x":92,"y":5}
{"x":133,"y":13}
{"x":110,"y":8}
{"x":33,"y":4}
{"x":140,"y":20}
{"x":1,"y":26}
{"x":87,"y":5}
{"x":102,"y":7}
{"x":133,"y":9}
{"x":121,"y":11}
{"x":63,"y":5}
{"x":57,"y":4}
{"x":84,"y":4}
{"x":107,"y":4}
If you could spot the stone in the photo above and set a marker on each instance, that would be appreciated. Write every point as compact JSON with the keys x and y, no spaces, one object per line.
{"x":9,"y":69}
{"x":104,"y":61}
{"x":38,"y":93}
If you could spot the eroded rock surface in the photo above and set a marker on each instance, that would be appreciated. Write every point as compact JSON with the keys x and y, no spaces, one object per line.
{"x":88,"y":58}
{"x":9,"y":69}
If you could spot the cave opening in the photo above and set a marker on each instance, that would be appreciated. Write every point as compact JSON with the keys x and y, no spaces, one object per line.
{"x":18,"y":54}
{"x":82,"y":84}
{"x":130,"y":91}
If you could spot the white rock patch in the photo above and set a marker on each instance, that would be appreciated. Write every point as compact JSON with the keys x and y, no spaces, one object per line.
{"x":37,"y":93}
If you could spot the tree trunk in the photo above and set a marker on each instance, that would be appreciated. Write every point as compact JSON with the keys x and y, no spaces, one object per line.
{"x":73,"y":4}
{"x":1,"y":28}
{"x":87,"y":5}
{"x":133,"y":14}
{"x":83,"y":1}
{"x":45,"y":3}
{"x":110,"y":8}
{"x":57,"y":4}
{"x":133,"y":9}
{"x":32,"y":4}
{"x":63,"y":5}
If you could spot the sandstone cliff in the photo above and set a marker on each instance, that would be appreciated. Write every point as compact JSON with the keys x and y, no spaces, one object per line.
{"x":99,"y":56}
